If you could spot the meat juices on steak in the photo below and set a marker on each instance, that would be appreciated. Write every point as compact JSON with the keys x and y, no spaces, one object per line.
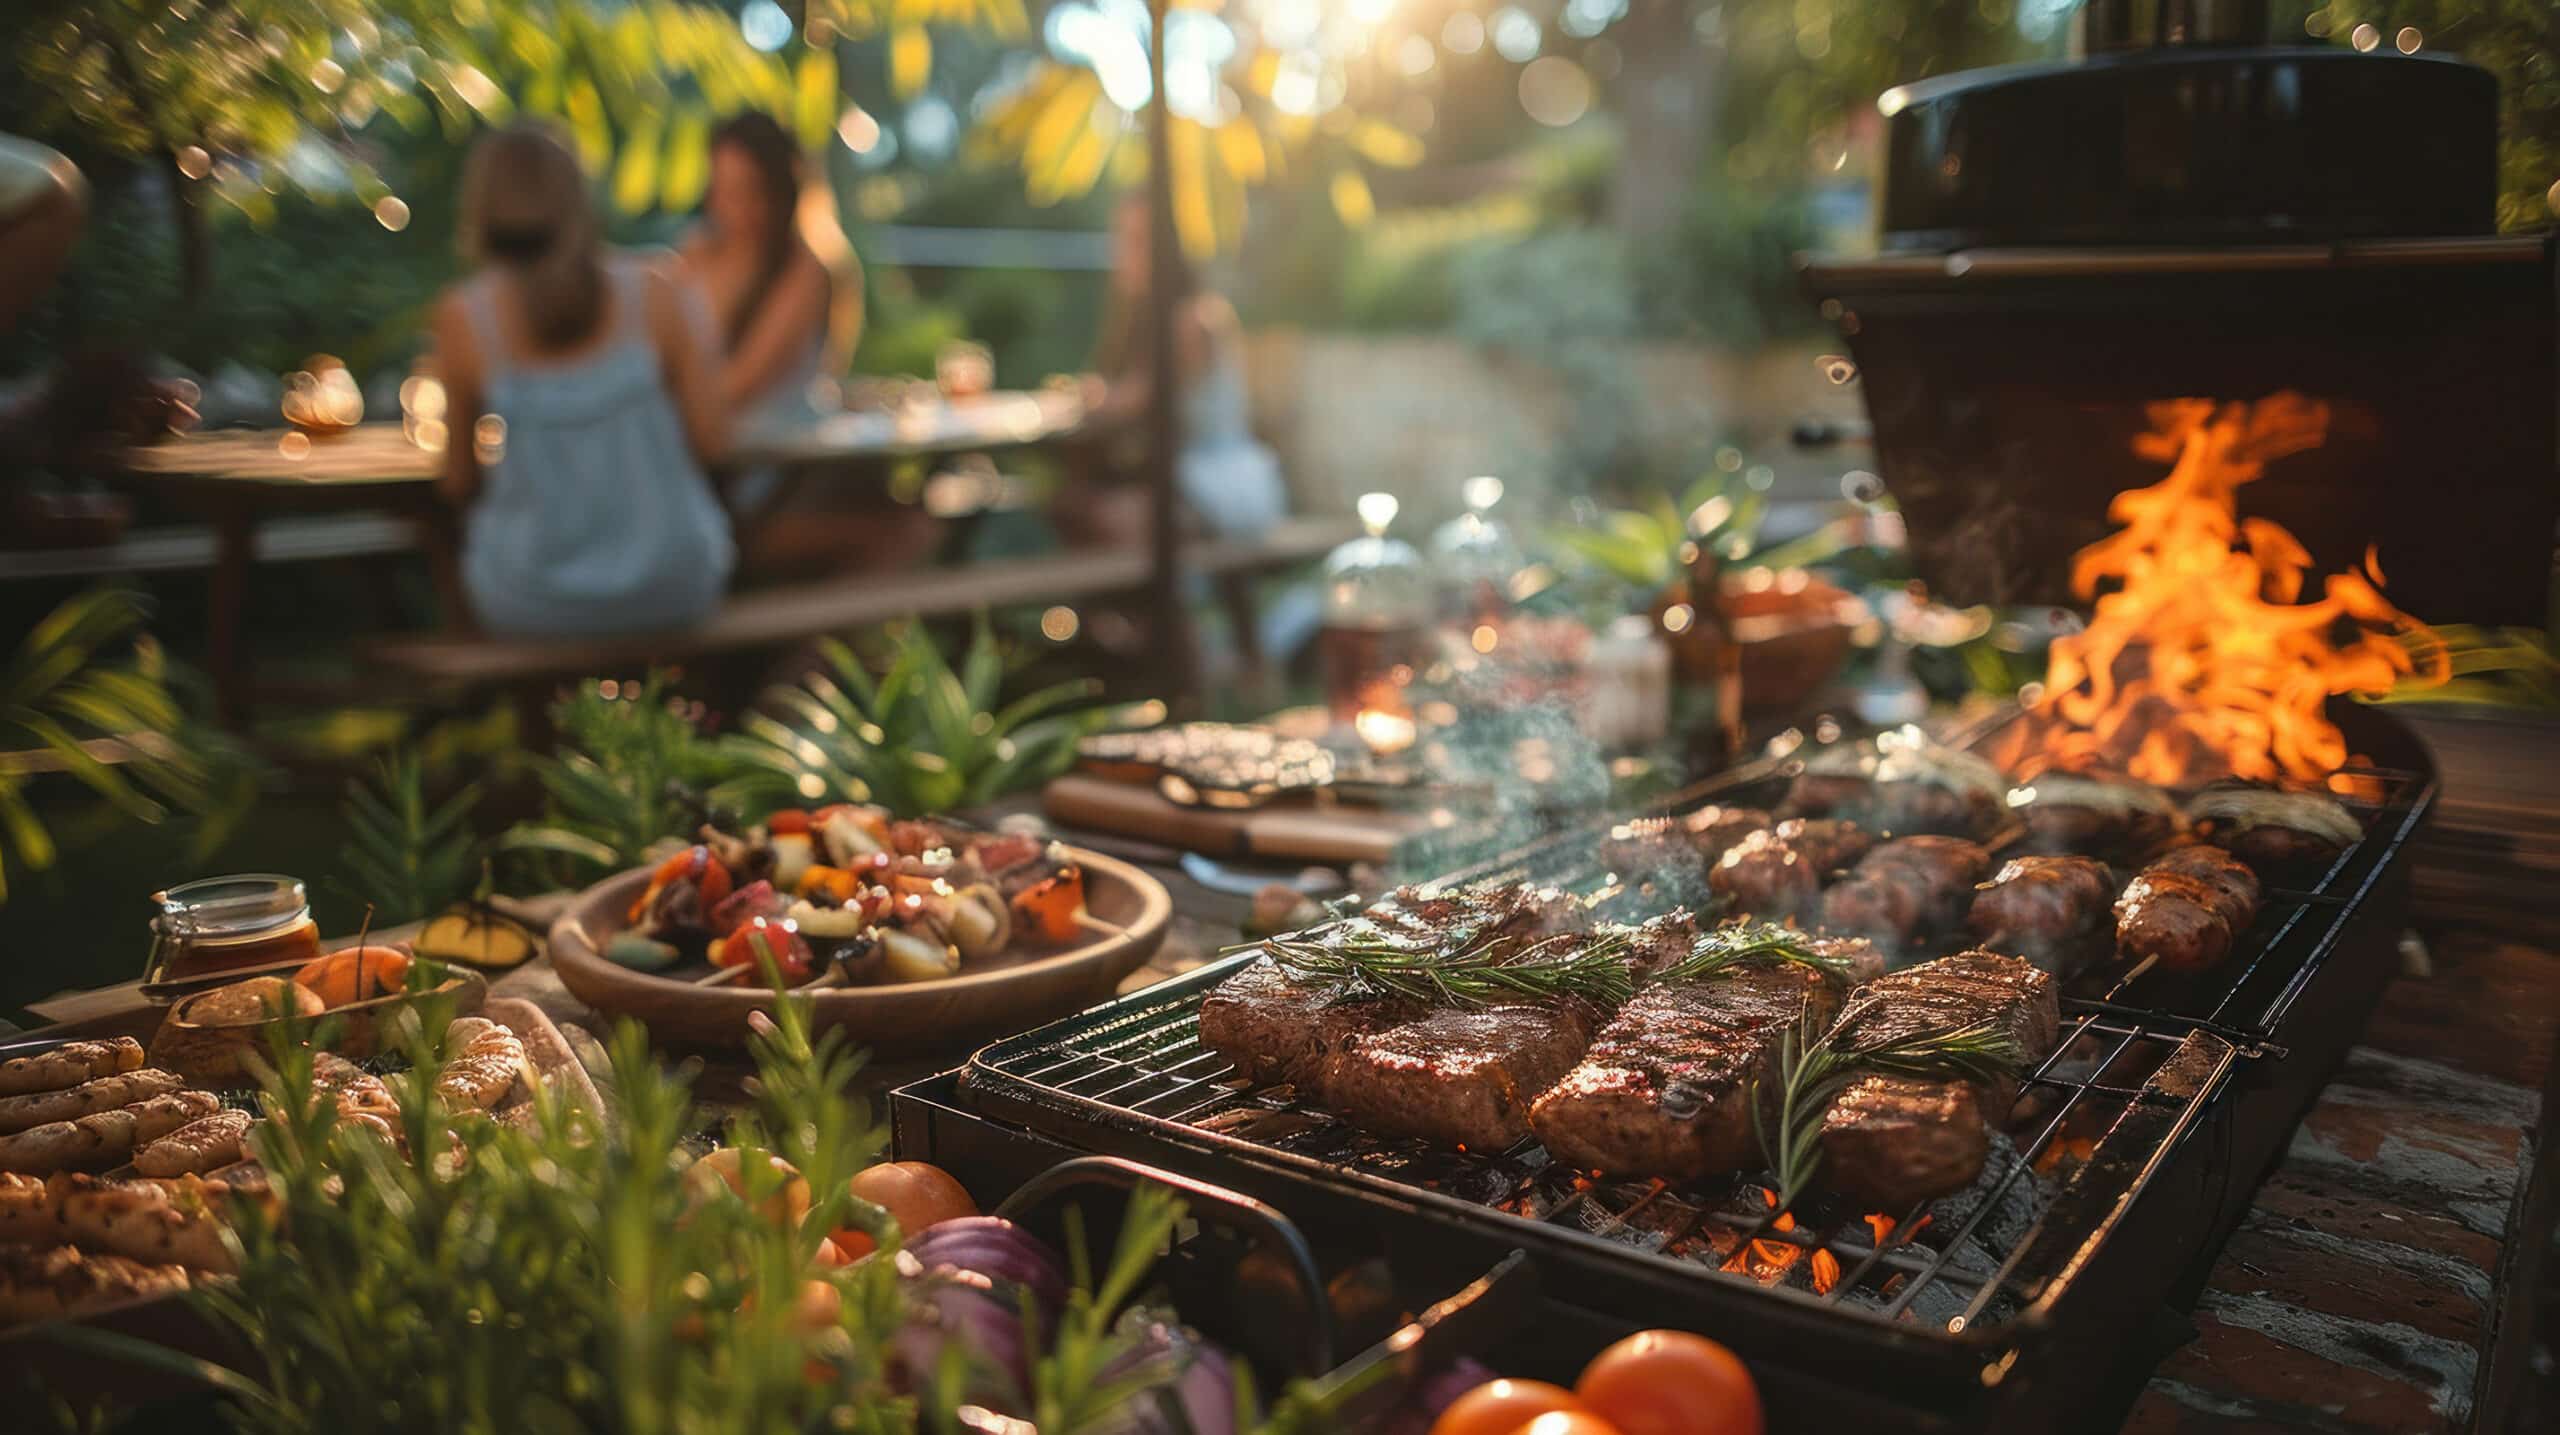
{"x":2042,"y":908}
{"x":1778,"y":873}
{"x":1662,"y":1090}
{"x":1891,"y":1140}
{"x":2187,"y":908}
{"x":1278,"y":1025}
{"x":1905,"y":888}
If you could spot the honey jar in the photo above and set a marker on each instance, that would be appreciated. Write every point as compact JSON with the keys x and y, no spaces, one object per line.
{"x":218,"y":924}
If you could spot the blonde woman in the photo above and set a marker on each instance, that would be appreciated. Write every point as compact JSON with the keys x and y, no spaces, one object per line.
{"x":586,"y":405}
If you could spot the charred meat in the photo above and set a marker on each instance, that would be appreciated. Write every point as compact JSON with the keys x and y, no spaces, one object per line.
{"x":1891,"y":1140}
{"x":1664,"y":1089}
{"x":2096,"y":816}
{"x":1779,"y":873}
{"x":1461,"y":1076}
{"x":1906,"y":888}
{"x":2277,"y":833}
{"x":1910,"y":786}
{"x":2187,"y":908}
{"x":2043,"y":908}
{"x":1693,"y":840}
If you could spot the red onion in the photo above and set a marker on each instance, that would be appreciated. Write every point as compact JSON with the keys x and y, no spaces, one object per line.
{"x":998,"y":1249}
{"x":979,"y":1318}
{"x":1196,"y":1379}
{"x":1434,"y":1393}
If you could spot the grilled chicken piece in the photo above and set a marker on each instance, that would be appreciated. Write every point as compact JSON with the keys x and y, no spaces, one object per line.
{"x":1892,"y":1140}
{"x":69,"y":1065}
{"x":354,"y":1089}
{"x":1690,"y":842}
{"x":1906,"y":888}
{"x":196,"y":1147}
{"x":58,"y":1282}
{"x":1777,"y":874}
{"x":1663,"y":1090}
{"x":2277,"y":833}
{"x":102,"y":1138}
{"x":2045,"y":909}
{"x":105,"y":1093}
{"x":2188,"y":908}
{"x":2096,"y":816}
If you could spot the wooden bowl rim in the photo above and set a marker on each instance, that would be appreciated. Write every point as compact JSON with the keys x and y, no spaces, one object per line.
{"x":572,"y":949}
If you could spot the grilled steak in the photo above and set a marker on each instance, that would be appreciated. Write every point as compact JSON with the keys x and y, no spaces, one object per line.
{"x":2043,"y":908}
{"x":1462,"y":1076}
{"x":1777,"y":874}
{"x":1661,"y":1091}
{"x":1892,"y":1140}
{"x":2187,"y":908}
{"x":1908,"y":887}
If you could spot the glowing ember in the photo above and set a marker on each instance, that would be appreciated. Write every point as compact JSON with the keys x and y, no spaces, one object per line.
{"x":1826,"y":1272}
{"x":2200,"y":658}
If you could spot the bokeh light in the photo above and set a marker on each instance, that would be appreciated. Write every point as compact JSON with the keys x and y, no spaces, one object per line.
{"x":2366,"y":38}
{"x":1463,"y":34}
{"x":765,"y":25}
{"x":391,"y":212}
{"x":1555,"y":91}
{"x":1515,"y":34}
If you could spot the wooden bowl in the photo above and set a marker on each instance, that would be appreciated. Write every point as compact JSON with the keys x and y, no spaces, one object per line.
{"x":216,"y":1054}
{"x":1015,"y":989}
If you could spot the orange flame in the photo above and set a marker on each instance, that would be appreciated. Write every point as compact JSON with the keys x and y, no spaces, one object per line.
{"x":1826,"y":1272}
{"x":2201,"y":658}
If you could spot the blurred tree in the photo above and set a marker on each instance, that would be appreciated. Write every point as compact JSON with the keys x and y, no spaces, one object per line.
{"x":2519,"y":43}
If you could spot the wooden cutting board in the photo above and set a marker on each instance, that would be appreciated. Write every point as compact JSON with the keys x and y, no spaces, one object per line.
{"x":1291,"y":830}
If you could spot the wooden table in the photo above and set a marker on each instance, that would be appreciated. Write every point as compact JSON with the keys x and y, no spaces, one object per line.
{"x":237,"y":477}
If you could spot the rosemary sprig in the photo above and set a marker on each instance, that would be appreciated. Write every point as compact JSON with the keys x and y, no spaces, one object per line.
{"x":1814,"y":1069}
{"x":1717,"y":952}
{"x":1592,"y":966}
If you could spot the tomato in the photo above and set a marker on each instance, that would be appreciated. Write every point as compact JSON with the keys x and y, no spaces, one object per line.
{"x":694,"y":863}
{"x":790,"y":819}
{"x":1499,"y":1407}
{"x":1669,"y":1382}
{"x":767,"y":937}
{"x":783,"y":1196}
{"x":829,"y":1255}
{"x":914,"y":1194}
{"x":1573,"y":1422}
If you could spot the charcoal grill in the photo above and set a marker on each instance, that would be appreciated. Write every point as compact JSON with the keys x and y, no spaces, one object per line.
{"x":2135,"y":1144}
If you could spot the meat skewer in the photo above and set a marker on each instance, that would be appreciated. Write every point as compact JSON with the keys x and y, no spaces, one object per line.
{"x":1907,"y":888}
{"x":2096,"y":816}
{"x":2277,"y":833}
{"x":2187,"y":909}
{"x":1691,"y":840}
{"x":1893,"y":1139}
{"x":1777,"y":874}
{"x":2043,"y":908}
{"x":1912,"y":786}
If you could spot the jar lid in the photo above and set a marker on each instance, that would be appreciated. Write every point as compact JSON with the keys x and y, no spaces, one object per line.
{"x":244,"y":902}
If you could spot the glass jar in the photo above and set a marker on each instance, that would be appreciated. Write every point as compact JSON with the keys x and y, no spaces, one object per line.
{"x":1377,"y":609}
{"x":1476,"y":559}
{"x":219,"y":924}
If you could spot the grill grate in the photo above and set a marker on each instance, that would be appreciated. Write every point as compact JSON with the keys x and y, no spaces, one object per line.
{"x":2139,"y":1063}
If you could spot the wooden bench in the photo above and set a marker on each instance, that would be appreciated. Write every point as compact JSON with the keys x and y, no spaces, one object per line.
{"x":776,"y":617}
{"x":184,"y":548}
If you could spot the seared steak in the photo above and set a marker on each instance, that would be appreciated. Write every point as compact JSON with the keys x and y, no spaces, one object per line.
{"x":1277,"y":1025}
{"x":1462,"y":1076}
{"x":2043,"y":908}
{"x":1892,"y":1140}
{"x":1906,"y":888}
{"x":1661,"y":1091}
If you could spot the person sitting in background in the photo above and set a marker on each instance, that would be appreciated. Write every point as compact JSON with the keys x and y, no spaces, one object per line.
{"x":784,"y":290}
{"x":1226,"y":477}
{"x":585,"y":406}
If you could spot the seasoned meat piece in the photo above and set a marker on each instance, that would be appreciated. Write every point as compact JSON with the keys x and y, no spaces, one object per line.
{"x":2279,"y":834}
{"x":1662,"y":1091}
{"x":1906,"y":888}
{"x":483,"y":1063}
{"x":2187,"y":908}
{"x":69,"y":1064}
{"x":1864,"y":959}
{"x":198,"y":1146}
{"x":52,"y":1283}
{"x":1278,"y":1026}
{"x":1690,"y":842}
{"x":1907,"y":788}
{"x":105,"y":1093}
{"x":179,"y":1221}
{"x":1891,"y":1140}
{"x":2042,"y":908}
{"x":2096,"y":816}
{"x":1777,"y":874}
{"x":102,"y":1138}
{"x":1462,"y":1076}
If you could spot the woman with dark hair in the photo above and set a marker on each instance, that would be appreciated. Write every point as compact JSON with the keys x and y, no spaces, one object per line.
{"x":769,"y":259}
{"x":584,"y":407}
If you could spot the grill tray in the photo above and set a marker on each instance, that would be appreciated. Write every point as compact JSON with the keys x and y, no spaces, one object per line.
{"x":2054,"y":1249}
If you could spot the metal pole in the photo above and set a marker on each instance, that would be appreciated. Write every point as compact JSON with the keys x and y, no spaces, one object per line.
{"x":1163,"y":432}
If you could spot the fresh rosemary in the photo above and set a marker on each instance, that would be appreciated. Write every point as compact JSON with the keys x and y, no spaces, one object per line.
{"x":1719,"y":951}
{"x":1592,"y":966}
{"x":1814,"y":1069}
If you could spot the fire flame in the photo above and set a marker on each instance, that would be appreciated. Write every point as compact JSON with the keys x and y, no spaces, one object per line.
{"x":2201,"y":658}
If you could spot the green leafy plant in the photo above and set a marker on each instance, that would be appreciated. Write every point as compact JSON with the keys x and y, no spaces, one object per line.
{"x":406,"y":854}
{"x":86,"y":697}
{"x":569,"y":1275}
{"x":633,"y":768}
{"x":921,"y":738}
{"x":1646,"y":548}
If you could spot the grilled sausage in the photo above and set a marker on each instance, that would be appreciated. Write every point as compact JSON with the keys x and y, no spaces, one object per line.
{"x":1906,"y":888}
{"x":2041,"y":908}
{"x":51,"y":1283}
{"x":2277,"y":833}
{"x":1688,"y":843}
{"x":198,"y":1146}
{"x":2187,"y":908}
{"x":69,"y":1065}
{"x":1778,"y":873}
{"x":2095,"y":816}
{"x":106,"y":1093}
{"x":102,"y":1138}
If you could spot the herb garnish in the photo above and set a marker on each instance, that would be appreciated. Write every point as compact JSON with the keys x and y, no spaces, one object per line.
{"x":1590,"y":965}
{"x":1814,"y":1069}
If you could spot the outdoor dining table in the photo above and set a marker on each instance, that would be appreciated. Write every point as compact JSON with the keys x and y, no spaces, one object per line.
{"x":237,"y":477}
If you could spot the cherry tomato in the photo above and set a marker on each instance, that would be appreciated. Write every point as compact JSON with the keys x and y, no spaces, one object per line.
{"x":1669,"y":1382}
{"x":778,"y":938}
{"x":790,"y":819}
{"x":1572,"y":1422}
{"x":914,"y":1194}
{"x":784,"y":1196}
{"x":695,"y":863}
{"x":1499,"y":1407}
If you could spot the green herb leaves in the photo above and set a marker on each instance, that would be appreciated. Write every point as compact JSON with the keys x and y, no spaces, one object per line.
{"x":1813,"y":1069}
